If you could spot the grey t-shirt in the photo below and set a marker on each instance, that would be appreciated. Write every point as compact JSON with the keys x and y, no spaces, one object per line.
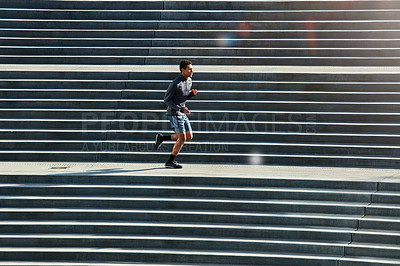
{"x":178,"y":92}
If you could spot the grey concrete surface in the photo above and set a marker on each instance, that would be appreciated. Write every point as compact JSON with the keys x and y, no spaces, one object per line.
{"x":201,"y":170}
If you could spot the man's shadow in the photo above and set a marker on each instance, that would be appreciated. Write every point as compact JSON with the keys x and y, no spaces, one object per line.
{"x":112,"y":171}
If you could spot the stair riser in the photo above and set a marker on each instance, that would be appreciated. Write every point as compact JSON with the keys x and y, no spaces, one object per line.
{"x":201,"y":5}
{"x":253,"y":53}
{"x":301,"y":127}
{"x":377,"y":211}
{"x":198,"y":136}
{"x":176,"y":244}
{"x":182,"y":205}
{"x":201,"y":85}
{"x":196,"y":148}
{"x":213,"y":77}
{"x":376,"y":239}
{"x":186,"y":192}
{"x":372,"y":252}
{"x":199,"y":15}
{"x":165,"y":258}
{"x":205,"y":158}
{"x":84,"y":15}
{"x":386,"y":199}
{"x":379,"y":225}
{"x":301,"y":120}
{"x":204,"y":95}
{"x":231,"y":105}
{"x":66,"y":24}
{"x":180,"y":231}
{"x":389,"y":186}
{"x":114,"y":5}
{"x":105,"y":178}
{"x":211,"y":42}
{"x":183,"y":218}
{"x":292,"y":5}
{"x":201,"y":61}
{"x":198,"y":33}
{"x":204,"y":25}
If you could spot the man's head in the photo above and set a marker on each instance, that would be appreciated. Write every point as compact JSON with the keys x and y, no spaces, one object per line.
{"x":186,"y":68}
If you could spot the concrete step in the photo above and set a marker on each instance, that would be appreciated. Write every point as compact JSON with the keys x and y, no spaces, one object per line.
{"x":186,"y":191}
{"x":177,"y":229}
{"x":354,"y":249}
{"x":368,"y":250}
{"x":262,"y":25}
{"x":196,"y":14}
{"x":290,"y":5}
{"x":252,"y":53}
{"x":105,"y":5}
{"x":283,"y":15}
{"x":209,"y":136}
{"x":195,"y":5}
{"x":251,"y":127}
{"x":379,"y":223}
{"x":376,"y":236}
{"x":101,"y":33}
{"x":301,"y":119}
{"x":199,"y":42}
{"x":79,"y":24}
{"x":277,"y":149}
{"x":263,"y":182}
{"x":290,"y":219}
{"x":199,"y":33}
{"x":88,"y":14}
{"x":167,"y":256}
{"x":204,"y":74}
{"x":145,"y":203}
{"x":375,"y":25}
{"x":130,"y":94}
{"x":179,"y":243}
{"x":112,"y":104}
{"x":388,"y":197}
{"x":227,"y":86}
{"x":154,"y":60}
{"x":204,"y":157}
{"x":389,"y":187}
{"x":383,"y":210}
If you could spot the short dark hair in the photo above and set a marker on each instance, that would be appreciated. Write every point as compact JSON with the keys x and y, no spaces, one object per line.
{"x":184,"y":64}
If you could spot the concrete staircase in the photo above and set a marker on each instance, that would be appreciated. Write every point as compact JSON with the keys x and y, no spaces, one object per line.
{"x":266,"y":118}
{"x":296,"y":82}
{"x":97,"y":219}
{"x":363,"y":33}
{"x":84,"y":80}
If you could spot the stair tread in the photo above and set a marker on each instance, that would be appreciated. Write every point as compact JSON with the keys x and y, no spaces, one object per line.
{"x":189,"y":212}
{"x":196,"y":187}
{"x":177,"y":238}
{"x":175,"y":199}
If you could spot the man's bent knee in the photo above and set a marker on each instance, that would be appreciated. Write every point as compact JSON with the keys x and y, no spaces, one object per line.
{"x":189,"y":135}
{"x":181,"y":137}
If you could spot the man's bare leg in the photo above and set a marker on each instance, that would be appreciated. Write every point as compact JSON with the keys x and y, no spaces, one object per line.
{"x":180,"y":140}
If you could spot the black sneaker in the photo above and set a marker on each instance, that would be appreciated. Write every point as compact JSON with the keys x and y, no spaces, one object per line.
{"x":173,"y":164}
{"x":158,"y":141}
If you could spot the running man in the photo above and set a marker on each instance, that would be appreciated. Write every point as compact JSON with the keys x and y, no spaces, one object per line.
{"x":178,"y":92}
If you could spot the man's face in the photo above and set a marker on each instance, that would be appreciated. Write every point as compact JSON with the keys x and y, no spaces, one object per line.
{"x":188,"y":71}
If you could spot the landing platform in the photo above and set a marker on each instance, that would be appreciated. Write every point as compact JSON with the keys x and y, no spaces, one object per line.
{"x":201,"y":170}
